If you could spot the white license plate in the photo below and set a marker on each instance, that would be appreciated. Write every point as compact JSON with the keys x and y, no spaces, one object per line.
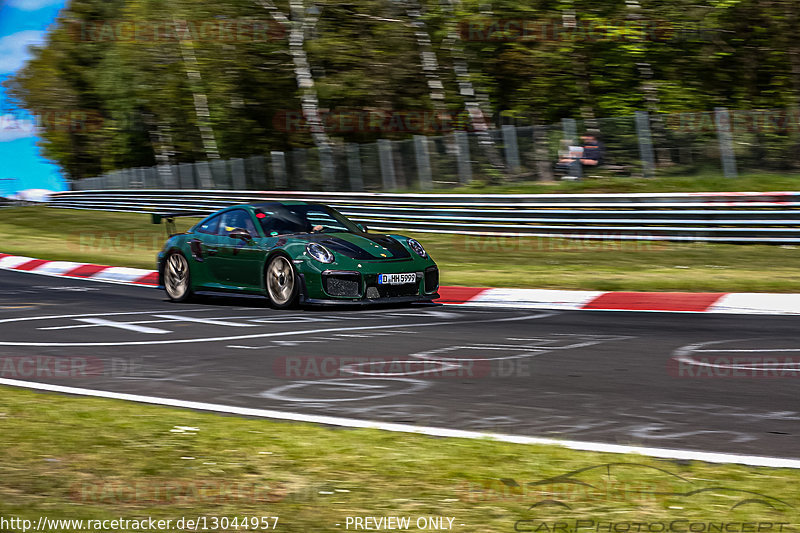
{"x":396,"y":279}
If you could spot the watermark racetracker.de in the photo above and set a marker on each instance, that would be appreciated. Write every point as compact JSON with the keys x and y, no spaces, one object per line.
{"x":69,"y":367}
{"x":566,"y":29}
{"x":568,"y":241}
{"x":753,"y":358}
{"x":217,"y":30}
{"x":333,"y":367}
{"x":114,"y":241}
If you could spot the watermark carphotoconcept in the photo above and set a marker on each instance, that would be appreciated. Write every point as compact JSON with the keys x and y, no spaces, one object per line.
{"x":331,"y":367}
{"x":655,"y":526}
{"x":72,"y":367}
{"x":641,"y":492}
{"x":556,"y":30}
{"x":229,"y":31}
{"x":626,"y":487}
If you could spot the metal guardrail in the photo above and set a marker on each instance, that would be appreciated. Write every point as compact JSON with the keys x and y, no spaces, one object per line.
{"x":768,"y":218}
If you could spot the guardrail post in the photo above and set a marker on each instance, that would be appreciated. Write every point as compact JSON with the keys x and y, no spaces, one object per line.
{"x":255,"y":170}
{"x":139,"y":177}
{"x":327,"y":168}
{"x":186,"y":176}
{"x":354,"y":167}
{"x":278,"y":163}
{"x":220,"y":175}
{"x":511,"y":149}
{"x":298,"y":178}
{"x":645,"y":144}
{"x":204,"y":177}
{"x":723,"y":121}
{"x":151,"y":176}
{"x":570,"y":129}
{"x":238,"y":177}
{"x":544,"y":166}
{"x":169,"y":177}
{"x":423,"y":162}
{"x":387,"y":164}
{"x":463,"y":158}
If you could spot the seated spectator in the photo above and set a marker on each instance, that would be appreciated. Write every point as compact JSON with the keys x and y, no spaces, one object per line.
{"x":593,"y":151}
{"x":573,"y":159}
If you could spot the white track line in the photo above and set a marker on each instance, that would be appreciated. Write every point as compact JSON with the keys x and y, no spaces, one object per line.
{"x":122,"y":325}
{"x":663,"y":453}
{"x":209,"y":321}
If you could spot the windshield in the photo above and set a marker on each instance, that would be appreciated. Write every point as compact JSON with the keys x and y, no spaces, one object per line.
{"x":303,"y":218}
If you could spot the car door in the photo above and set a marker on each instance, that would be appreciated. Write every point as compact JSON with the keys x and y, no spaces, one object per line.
{"x":204,"y":247}
{"x":239,"y":261}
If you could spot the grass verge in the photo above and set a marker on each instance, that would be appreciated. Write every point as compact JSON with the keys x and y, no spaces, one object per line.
{"x":87,"y":458}
{"x":129,"y":239}
{"x":701,"y":182}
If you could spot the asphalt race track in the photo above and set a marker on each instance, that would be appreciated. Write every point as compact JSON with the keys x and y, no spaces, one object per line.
{"x":688,"y":381}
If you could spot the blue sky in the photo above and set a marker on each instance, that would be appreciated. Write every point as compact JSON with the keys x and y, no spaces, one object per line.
{"x":23,"y":22}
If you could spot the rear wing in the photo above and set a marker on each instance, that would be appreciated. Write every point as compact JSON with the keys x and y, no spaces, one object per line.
{"x":169,"y":219}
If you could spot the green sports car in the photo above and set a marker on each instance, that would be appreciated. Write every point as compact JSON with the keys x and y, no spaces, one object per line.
{"x":294,"y":253}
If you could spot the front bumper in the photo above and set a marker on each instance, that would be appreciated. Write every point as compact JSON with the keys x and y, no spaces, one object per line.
{"x":321,"y":298}
{"x":354,"y":285}
{"x":428,"y":298}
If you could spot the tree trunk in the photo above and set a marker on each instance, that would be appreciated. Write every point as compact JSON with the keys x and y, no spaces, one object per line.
{"x":201,"y":109}
{"x":472,"y":100}
{"x":309,"y":102}
{"x":649,"y":92}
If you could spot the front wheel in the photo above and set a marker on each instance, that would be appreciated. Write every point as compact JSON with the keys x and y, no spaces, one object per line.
{"x":281,"y":282}
{"x":176,"y":278}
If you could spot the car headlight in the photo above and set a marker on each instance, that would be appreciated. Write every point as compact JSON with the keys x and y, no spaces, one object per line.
{"x":319,"y":252}
{"x":417,"y":247}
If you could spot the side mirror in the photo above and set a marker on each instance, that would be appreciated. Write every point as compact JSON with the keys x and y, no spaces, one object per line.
{"x":239,"y":233}
{"x":362,"y":227}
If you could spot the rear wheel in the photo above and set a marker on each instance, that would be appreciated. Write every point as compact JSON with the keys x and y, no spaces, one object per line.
{"x":176,"y":278}
{"x":281,"y":282}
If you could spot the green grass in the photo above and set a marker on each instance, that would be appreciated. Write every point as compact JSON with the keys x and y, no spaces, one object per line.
{"x":66,"y":457}
{"x":702,"y":182}
{"x":129,"y":239}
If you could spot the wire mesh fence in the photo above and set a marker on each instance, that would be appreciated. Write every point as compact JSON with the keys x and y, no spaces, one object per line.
{"x":685,"y":144}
